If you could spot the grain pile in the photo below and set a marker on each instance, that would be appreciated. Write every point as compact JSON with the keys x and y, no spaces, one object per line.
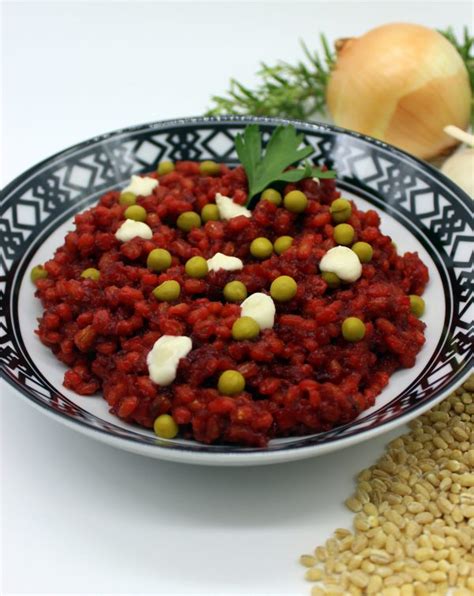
{"x":414,"y":514}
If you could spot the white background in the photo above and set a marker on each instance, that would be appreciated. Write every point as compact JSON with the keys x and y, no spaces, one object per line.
{"x":78,"y":516}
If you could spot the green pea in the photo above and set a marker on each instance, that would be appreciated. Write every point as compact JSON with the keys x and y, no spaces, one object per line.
{"x":235,"y":291}
{"x":91,"y":273}
{"x":353,"y":329}
{"x":344,"y":234}
{"x":261,"y":248}
{"x":165,"y":427}
{"x":188,"y":220}
{"x":283,"y":288}
{"x":417,"y":305}
{"x":364,"y":251}
{"x":245,"y":328}
{"x":210,"y":212}
{"x":165,"y":167}
{"x":38,"y":272}
{"x":158,"y":259}
{"x":282,"y":244}
{"x":231,"y":382}
{"x":331,"y":279}
{"x":295,"y":201}
{"x":341,"y":210}
{"x":209,"y":168}
{"x":168,"y":291}
{"x":128,"y":198}
{"x":271,"y":195}
{"x":196,"y":267}
{"x":135,"y":212}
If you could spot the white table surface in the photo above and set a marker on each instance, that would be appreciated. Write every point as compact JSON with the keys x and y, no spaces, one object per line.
{"x":78,"y":516}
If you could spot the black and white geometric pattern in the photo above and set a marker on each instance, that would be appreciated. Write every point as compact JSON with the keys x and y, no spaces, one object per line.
{"x":396,"y":182}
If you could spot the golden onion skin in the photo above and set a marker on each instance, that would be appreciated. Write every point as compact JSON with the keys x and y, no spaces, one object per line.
{"x":402,"y":84}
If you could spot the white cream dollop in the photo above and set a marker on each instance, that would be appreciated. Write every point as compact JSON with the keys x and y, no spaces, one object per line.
{"x":222,"y":261}
{"x":164,"y":357}
{"x":141,"y":186}
{"x":228,"y":209}
{"x":343,"y":262}
{"x":260,"y":308}
{"x":131,"y":229}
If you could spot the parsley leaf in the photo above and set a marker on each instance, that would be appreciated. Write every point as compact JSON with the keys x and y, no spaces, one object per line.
{"x":282,"y":150}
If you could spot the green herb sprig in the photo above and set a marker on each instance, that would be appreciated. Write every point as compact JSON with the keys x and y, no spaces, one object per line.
{"x":283,"y":150}
{"x":291,"y":91}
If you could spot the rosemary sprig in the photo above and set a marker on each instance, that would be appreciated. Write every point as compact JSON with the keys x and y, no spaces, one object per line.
{"x":299,"y":91}
{"x":292,"y":91}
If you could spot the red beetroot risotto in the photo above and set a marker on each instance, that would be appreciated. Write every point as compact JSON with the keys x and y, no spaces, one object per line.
{"x":303,"y":375}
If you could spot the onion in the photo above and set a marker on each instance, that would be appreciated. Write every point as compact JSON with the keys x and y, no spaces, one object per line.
{"x":402,"y":84}
{"x":460,"y":166}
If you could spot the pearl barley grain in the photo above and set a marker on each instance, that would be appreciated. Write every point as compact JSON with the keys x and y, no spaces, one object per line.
{"x":414,"y":510}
